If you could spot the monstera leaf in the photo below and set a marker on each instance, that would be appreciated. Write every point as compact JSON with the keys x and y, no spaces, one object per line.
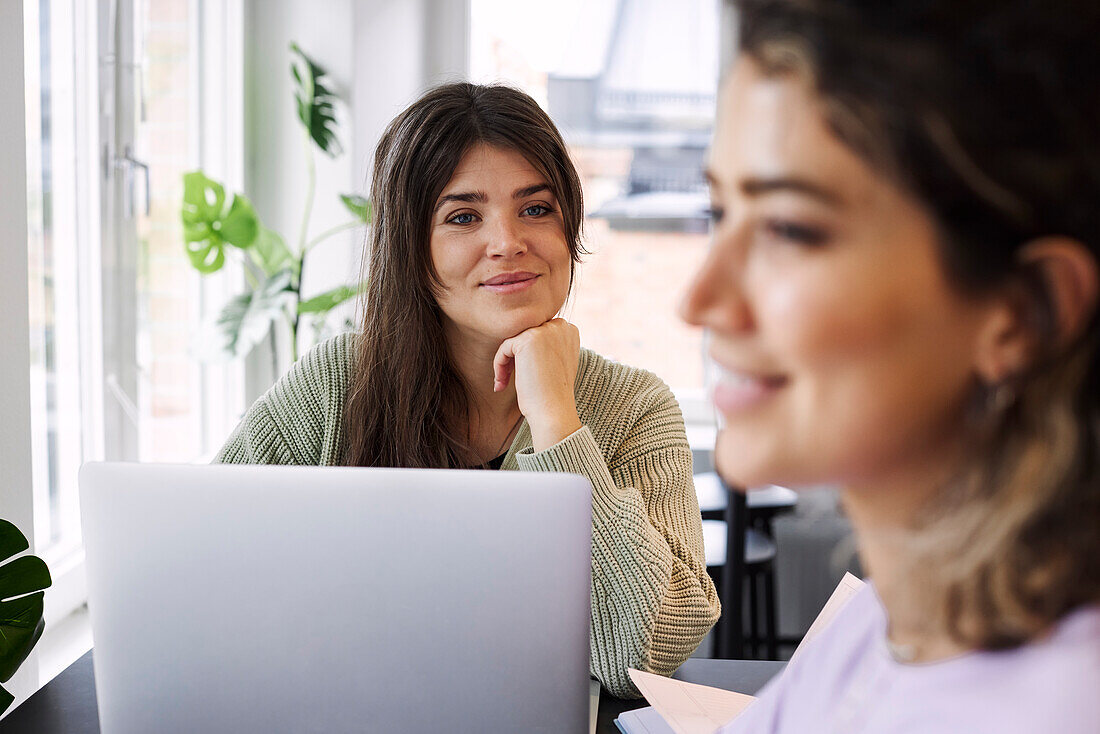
{"x":358,"y":205}
{"x":329,"y":300}
{"x":272,"y":253}
{"x":316,"y":102}
{"x":21,"y":585}
{"x":208,"y":224}
{"x":244,"y":321}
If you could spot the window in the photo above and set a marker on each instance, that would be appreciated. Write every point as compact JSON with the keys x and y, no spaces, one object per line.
{"x":61,"y":284}
{"x":171,"y":399}
{"x":123,"y":98}
{"x":631,"y":84}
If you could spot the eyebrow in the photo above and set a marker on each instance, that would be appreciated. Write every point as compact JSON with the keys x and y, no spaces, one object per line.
{"x":480,"y":197}
{"x":757,"y":186}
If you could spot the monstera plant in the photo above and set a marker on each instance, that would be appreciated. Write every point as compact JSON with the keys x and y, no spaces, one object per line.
{"x":21,"y":591}
{"x":217,"y":225}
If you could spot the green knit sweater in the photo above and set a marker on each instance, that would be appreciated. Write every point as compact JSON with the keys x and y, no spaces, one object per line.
{"x":652,"y":600}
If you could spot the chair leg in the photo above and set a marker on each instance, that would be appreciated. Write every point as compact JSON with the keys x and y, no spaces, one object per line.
{"x":769,"y":613}
{"x":733,"y":575}
{"x":754,"y":614}
{"x":718,"y":632}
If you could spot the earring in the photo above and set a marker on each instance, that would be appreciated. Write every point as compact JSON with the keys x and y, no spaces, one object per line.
{"x":999,"y":398}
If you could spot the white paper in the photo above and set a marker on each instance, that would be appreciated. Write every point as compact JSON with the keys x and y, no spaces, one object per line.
{"x":844,"y":591}
{"x":689,"y":708}
{"x":645,"y":720}
{"x":593,"y":704}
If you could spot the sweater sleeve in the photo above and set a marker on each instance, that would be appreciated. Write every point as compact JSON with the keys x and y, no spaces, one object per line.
{"x":652,"y":599}
{"x":256,"y":440}
{"x":298,"y":420}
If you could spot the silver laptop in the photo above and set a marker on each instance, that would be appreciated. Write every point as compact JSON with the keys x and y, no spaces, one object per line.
{"x":307,"y":599}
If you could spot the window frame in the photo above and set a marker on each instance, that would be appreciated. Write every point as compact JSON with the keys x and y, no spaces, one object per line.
{"x":83,"y":227}
{"x":74,"y":222}
{"x":15,"y":432}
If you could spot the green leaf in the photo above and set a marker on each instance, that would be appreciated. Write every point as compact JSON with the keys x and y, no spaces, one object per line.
{"x":315,"y":102}
{"x":21,"y":585}
{"x":273,"y":254}
{"x":330,"y":299}
{"x":208,"y":225}
{"x":244,"y":321}
{"x":23,"y":613}
{"x":359,"y":206}
{"x":241,"y":225}
{"x":11,"y":540}
{"x":21,"y":626}
{"x":24,"y":575}
{"x":205,"y":194}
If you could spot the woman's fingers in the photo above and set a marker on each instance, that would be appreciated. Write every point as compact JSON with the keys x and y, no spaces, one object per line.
{"x":503,"y":363}
{"x":543,"y":363}
{"x":549,"y":342}
{"x":557,"y":338}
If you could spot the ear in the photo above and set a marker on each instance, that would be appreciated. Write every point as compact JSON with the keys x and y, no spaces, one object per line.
{"x":1065,"y":285}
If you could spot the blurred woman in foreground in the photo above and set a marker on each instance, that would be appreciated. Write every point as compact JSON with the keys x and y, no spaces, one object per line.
{"x":902,"y":299}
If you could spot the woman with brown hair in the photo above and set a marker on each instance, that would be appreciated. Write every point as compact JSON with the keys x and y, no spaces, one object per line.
{"x":902,"y":300}
{"x":462,"y":363}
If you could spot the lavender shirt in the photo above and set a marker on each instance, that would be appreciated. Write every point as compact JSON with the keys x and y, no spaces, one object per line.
{"x":846,"y":682}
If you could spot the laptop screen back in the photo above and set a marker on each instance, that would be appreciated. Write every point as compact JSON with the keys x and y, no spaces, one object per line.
{"x":297,"y":599}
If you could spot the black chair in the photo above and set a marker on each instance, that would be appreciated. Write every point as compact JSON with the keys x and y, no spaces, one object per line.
{"x":745,"y":525}
{"x":763,"y":503}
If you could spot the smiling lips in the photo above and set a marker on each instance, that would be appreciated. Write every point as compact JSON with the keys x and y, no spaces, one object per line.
{"x":738,"y":391}
{"x":510,"y":282}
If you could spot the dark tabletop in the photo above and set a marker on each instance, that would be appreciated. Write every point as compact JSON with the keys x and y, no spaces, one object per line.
{"x":67,"y":704}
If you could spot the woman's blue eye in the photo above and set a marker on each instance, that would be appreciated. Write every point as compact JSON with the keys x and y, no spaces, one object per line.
{"x":465,"y":218}
{"x":536,"y":210}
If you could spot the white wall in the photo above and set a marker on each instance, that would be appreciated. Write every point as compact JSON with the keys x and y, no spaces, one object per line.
{"x":275,"y":176}
{"x":15,"y":429}
{"x":275,"y":153}
{"x":15,"y":435}
{"x":380,"y":55}
{"x":402,"y":47}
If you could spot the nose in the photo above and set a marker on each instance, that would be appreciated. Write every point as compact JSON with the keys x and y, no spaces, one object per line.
{"x":506,"y":239}
{"x":716,"y":297}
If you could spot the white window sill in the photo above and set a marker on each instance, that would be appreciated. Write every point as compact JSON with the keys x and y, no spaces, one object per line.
{"x":63,"y":644}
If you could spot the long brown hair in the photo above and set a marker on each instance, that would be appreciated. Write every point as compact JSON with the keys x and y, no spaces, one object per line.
{"x":407,"y":405}
{"x":982,"y":111}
